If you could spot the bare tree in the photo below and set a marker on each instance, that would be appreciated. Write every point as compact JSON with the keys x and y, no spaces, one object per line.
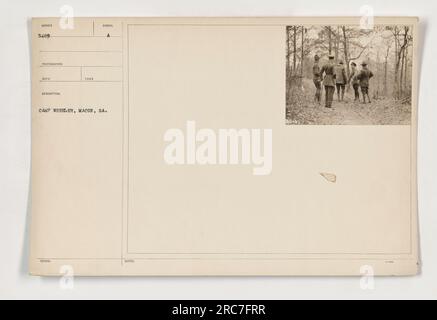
{"x":388,"y":41}
{"x":294,"y":48}
{"x":330,"y":39}
{"x":401,"y":39}
{"x":302,"y":51}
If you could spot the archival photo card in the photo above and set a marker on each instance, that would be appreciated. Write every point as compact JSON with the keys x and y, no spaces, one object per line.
{"x":160,"y":148}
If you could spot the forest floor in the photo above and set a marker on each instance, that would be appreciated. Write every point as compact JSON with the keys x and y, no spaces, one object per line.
{"x":305,"y":111}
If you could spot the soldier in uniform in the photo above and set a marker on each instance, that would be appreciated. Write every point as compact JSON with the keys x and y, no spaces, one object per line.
{"x":355,"y":82}
{"x":340,"y":80}
{"x":317,"y":79}
{"x":329,"y":80}
{"x":364,"y":77}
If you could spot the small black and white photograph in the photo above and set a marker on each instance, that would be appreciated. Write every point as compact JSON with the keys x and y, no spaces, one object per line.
{"x":347,"y":75}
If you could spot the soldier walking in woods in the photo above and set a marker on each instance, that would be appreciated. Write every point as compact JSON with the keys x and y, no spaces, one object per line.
{"x":329,"y":80}
{"x":317,"y":79}
{"x":364,"y":77}
{"x":355,"y":82}
{"x":340,"y":79}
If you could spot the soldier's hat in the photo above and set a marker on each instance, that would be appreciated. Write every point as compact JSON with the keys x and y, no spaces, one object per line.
{"x":364,"y":64}
{"x":353,"y":64}
{"x":341,"y":62}
{"x":331,"y":57}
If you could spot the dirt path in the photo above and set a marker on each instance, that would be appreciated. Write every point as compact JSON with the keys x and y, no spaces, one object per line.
{"x":348,"y":112}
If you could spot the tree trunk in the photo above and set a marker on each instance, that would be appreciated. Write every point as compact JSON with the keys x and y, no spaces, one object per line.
{"x":386,"y":72}
{"x":401,"y":79}
{"x":378,"y":74}
{"x":302,"y":51}
{"x":406,"y":70}
{"x":288,"y":51}
{"x":337,"y":44}
{"x":294,"y":48}
{"x":330,"y":40}
{"x":346,"y":55}
{"x":396,"y":71}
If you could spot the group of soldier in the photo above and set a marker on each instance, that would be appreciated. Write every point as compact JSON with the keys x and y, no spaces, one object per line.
{"x":333,"y":76}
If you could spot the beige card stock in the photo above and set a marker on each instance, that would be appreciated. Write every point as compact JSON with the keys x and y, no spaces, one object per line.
{"x":195,"y":146}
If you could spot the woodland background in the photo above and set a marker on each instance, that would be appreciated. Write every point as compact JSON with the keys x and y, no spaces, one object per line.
{"x":387,"y":49}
